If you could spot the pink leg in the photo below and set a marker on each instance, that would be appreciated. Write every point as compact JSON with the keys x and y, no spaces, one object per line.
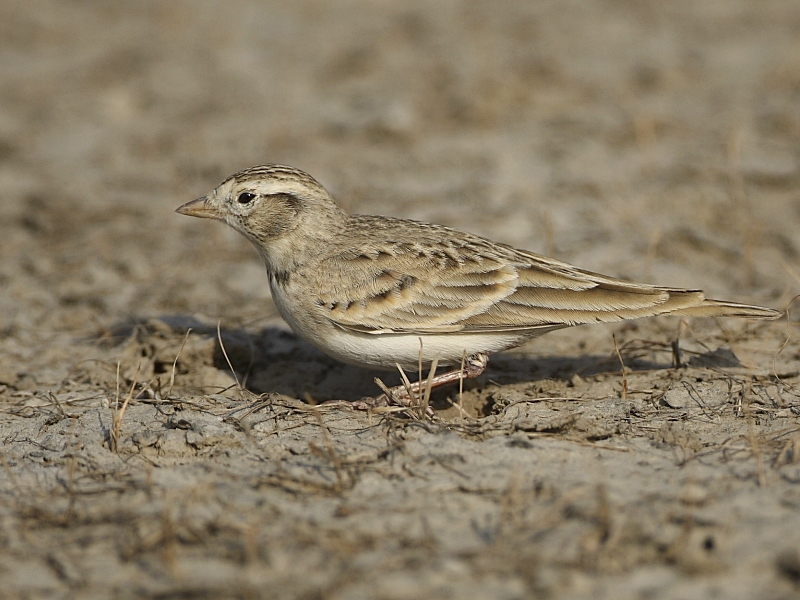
{"x":407,"y":396}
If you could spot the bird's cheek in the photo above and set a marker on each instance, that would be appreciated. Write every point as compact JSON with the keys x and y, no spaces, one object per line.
{"x":267,"y":226}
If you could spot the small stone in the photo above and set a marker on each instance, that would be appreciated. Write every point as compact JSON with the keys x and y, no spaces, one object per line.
{"x":676,"y":398}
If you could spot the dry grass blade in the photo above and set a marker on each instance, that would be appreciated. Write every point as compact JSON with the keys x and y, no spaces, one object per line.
{"x":425,"y":399}
{"x":228,"y":360}
{"x":622,"y":364}
{"x":71,"y":474}
{"x":116,"y":395}
{"x":677,"y":358}
{"x":461,"y":388}
{"x":118,"y":413}
{"x":175,"y":362}
{"x":384,"y":388}
{"x":407,"y":384}
{"x":755,"y":448}
{"x":419,"y":362}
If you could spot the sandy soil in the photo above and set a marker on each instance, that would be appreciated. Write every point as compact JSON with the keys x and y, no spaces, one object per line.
{"x":650,"y":140}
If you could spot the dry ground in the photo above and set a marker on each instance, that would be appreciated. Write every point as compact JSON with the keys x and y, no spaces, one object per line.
{"x":658,"y":141}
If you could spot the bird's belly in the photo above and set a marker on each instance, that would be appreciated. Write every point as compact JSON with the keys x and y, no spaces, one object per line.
{"x":387,"y":350}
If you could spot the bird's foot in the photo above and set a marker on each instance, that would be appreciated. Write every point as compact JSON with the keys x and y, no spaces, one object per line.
{"x":417,"y":394}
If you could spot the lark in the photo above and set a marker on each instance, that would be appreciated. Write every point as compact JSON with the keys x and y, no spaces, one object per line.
{"x":382,"y":292}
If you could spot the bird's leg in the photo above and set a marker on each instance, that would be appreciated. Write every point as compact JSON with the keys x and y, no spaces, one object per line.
{"x":403,"y":395}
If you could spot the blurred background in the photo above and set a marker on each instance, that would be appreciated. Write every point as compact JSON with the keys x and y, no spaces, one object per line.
{"x":649,"y":140}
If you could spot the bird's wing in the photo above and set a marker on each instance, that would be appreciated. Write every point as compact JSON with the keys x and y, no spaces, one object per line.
{"x":473,"y":285}
{"x":409,"y":287}
{"x":550,"y":292}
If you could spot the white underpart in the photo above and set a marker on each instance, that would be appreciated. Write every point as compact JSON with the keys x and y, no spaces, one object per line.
{"x":385,"y":350}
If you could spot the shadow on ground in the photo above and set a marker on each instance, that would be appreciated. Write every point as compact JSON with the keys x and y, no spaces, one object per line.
{"x":273,"y":359}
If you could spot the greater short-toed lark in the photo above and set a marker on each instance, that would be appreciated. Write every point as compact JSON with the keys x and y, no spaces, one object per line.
{"x":377,"y":291}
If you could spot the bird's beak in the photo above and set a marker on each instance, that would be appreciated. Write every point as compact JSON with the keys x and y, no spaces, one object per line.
{"x":201,"y":207}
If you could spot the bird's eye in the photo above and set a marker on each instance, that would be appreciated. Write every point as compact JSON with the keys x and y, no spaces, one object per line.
{"x":245,"y":198}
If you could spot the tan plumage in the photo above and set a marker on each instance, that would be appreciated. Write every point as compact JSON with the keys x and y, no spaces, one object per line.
{"x":368,"y":289}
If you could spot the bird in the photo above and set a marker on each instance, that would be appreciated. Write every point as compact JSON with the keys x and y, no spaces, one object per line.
{"x":385,"y":293}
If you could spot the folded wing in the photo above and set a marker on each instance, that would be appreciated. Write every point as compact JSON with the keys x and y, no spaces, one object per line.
{"x":470,"y":285}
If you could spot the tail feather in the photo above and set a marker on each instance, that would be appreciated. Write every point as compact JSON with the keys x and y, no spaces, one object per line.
{"x":721,"y":308}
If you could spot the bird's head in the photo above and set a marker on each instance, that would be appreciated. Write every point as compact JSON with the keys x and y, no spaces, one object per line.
{"x":267,"y":204}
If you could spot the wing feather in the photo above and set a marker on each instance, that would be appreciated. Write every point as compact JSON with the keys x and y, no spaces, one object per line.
{"x":447,"y":282}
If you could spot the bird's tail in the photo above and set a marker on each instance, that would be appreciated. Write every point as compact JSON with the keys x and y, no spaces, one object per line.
{"x":721,"y":308}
